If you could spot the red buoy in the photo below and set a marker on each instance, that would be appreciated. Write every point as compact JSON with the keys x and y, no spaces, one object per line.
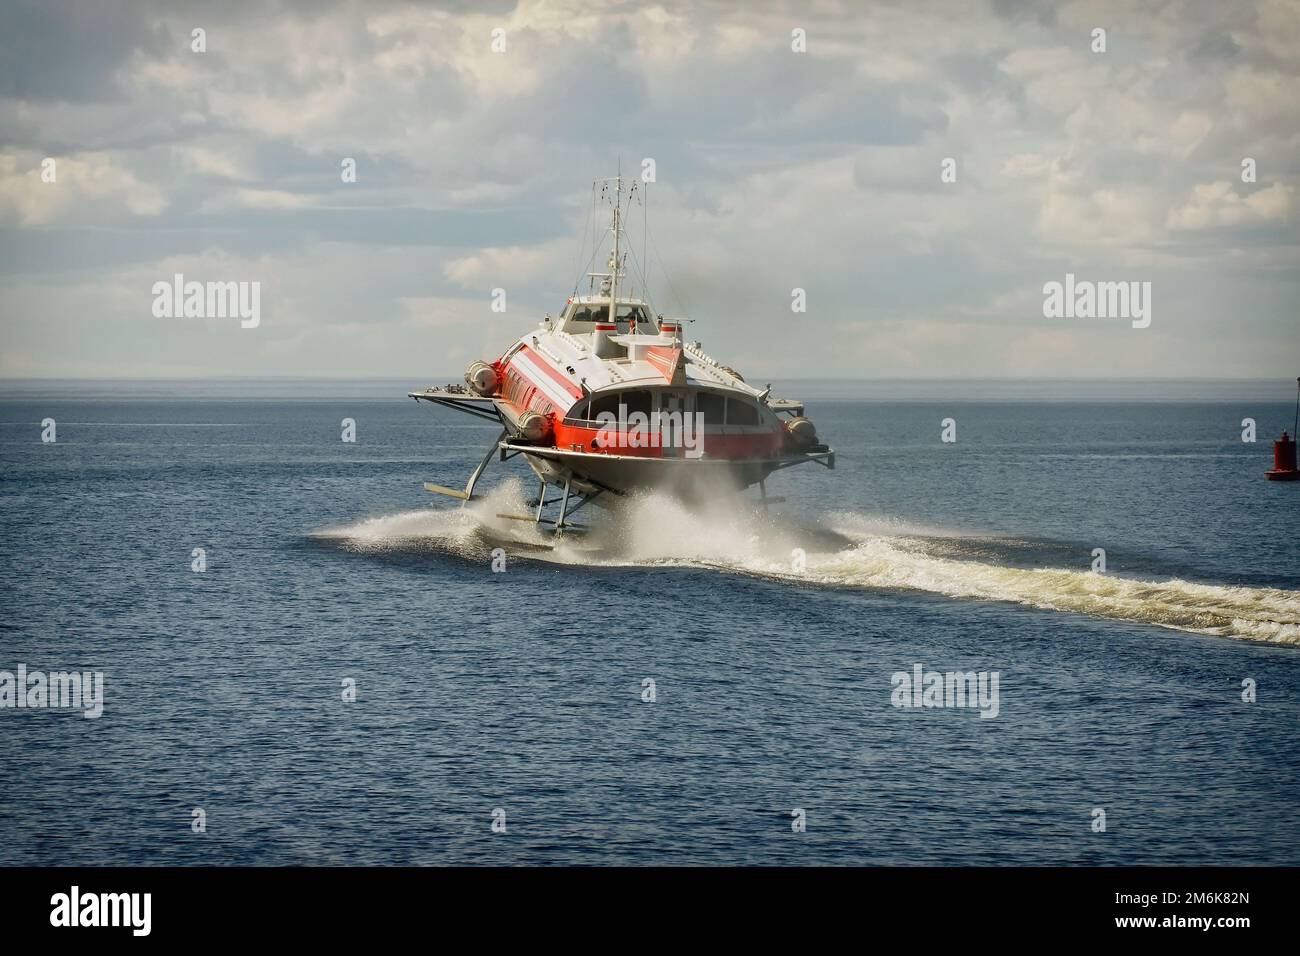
{"x":1284,"y":467}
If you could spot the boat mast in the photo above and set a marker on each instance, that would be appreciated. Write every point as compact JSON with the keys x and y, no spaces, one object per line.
{"x":613,"y":280}
{"x":609,"y":283}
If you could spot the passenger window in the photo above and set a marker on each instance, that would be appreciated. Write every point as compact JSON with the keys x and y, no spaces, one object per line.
{"x":741,"y":412}
{"x":604,"y":403}
{"x":711,"y":406}
{"x":637,"y":401}
{"x":672,"y":400}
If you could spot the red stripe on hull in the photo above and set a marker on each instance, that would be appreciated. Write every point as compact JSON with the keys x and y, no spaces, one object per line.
{"x":544,"y":364}
{"x":737,"y":447}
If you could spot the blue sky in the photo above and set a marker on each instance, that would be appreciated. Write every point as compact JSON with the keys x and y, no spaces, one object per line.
{"x":775,"y":170}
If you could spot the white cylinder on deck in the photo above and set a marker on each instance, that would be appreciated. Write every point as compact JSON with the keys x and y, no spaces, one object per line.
{"x":600,"y":340}
{"x":533,"y":426}
{"x":802,"y":431}
{"x":481,"y":378}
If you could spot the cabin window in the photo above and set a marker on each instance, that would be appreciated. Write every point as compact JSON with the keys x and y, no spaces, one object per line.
{"x":712,"y":406}
{"x":636,"y":400}
{"x":671,"y":400}
{"x":741,"y":412}
{"x":603,"y":403}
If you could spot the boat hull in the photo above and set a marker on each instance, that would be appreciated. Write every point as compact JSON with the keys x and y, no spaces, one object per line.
{"x":686,"y":478}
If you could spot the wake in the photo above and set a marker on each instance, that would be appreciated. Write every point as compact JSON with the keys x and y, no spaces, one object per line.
{"x":844,"y":550}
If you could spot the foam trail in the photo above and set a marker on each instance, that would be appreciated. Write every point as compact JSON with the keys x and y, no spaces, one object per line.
{"x":1262,"y":614}
{"x":467,"y":531}
{"x":845,"y":551}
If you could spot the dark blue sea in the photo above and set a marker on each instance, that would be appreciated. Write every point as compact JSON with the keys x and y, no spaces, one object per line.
{"x":771,"y":639}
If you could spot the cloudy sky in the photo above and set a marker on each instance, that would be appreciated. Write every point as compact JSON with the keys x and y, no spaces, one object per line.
{"x":775,"y":170}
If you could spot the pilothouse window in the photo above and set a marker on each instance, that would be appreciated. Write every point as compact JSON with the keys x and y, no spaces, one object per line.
{"x":634,"y":314}
{"x":589,"y":313}
{"x":631,"y":313}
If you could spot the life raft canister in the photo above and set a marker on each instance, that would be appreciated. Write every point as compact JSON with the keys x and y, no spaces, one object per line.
{"x":481,"y":378}
{"x":802,"y":432}
{"x":534,"y":426}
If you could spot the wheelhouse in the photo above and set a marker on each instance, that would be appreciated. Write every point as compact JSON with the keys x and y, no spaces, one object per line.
{"x":582,"y":314}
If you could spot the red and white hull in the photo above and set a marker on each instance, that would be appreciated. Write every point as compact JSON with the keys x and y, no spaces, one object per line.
{"x":607,"y":398}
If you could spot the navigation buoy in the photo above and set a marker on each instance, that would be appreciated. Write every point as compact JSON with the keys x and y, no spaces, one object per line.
{"x":1284,"y":466}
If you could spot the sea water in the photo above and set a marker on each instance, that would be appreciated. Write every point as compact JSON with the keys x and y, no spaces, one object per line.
{"x":307,"y":659}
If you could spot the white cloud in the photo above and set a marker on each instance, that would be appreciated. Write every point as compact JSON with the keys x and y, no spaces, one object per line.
{"x":889,"y":67}
{"x":502,"y":267}
{"x":1263,"y":94}
{"x":776,"y":169}
{"x":1026,"y":165}
{"x":1075,"y":212}
{"x":205,"y":161}
{"x":1218,"y":205}
{"x":270,"y":199}
{"x":1278,"y":29}
{"x":86,"y":185}
{"x":1035,"y":61}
